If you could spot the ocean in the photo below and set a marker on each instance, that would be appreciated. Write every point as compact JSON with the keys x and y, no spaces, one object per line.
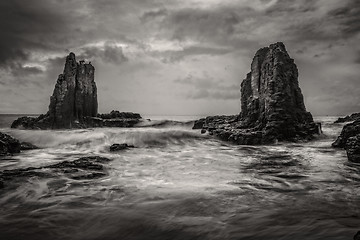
{"x":179,"y":184}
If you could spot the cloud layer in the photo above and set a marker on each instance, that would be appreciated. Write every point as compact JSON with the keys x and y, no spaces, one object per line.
{"x":177,"y":57}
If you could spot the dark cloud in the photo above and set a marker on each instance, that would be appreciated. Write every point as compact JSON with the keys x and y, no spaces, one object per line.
{"x":30,"y":27}
{"x":204,"y":25}
{"x":193,"y":36}
{"x":347,"y":18}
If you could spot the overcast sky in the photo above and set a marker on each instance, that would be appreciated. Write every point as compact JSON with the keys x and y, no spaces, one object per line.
{"x":177,"y":57}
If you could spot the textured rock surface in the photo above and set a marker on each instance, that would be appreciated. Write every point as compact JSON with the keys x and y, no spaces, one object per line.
{"x":8,"y":144}
{"x":349,"y":139}
{"x":348,"y":131}
{"x":349,"y":118}
{"x":272,"y":105}
{"x":352,"y":148}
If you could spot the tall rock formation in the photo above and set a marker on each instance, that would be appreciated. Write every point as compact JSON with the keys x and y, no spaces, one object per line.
{"x":75,"y":94}
{"x":271,"y":98}
{"x":272,"y":105}
{"x":73,"y":103}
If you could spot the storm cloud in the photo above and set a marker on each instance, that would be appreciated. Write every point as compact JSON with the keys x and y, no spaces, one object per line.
{"x":181,"y":56}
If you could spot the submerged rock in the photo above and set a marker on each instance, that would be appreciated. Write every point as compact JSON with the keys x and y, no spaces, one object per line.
{"x":349,"y":139}
{"x":348,"y":118}
{"x":89,"y":163}
{"x":119,"y":147}
{"x":27,"y":146}
{"x":80,"y":169}
{"x":272,"y":105}
{"x":73,"y":103}
{"x":8,"y":145}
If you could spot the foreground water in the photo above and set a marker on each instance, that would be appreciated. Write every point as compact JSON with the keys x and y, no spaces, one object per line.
{"x":179,"y":184}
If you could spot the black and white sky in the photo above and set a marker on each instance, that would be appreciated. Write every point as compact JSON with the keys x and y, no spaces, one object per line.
{"x":177,"y":57}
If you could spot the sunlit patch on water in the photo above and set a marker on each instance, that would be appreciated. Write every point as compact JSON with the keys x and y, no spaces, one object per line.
{"x":179,"y":184}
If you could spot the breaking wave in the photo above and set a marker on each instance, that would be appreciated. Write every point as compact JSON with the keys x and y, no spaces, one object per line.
{"x":106,"y":136}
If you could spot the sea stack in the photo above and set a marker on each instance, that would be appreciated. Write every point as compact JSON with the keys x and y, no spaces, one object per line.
{"x":75,"y":94}
{"x":74,"y":104}
{"x":272,"y":105}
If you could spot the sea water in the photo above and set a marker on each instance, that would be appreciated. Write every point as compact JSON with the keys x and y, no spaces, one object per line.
{"x":179,"y":184}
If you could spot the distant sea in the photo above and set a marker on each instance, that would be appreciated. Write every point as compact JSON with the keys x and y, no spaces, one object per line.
{"x":179,"y":184}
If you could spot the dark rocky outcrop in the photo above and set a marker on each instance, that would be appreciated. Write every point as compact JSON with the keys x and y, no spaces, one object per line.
{"x":119,"y":147}
{"x":272,"y":105}
{"x":349,"y":130}
{"x":73,"y":103}
{"x":112,"y":119}
{"x":119,"y":115}
{"x":349,"y":139}
{"x":130,"y":120}
{"x":41,"y":122}
{"x":348,"y":118}
{"x":8,"y":145}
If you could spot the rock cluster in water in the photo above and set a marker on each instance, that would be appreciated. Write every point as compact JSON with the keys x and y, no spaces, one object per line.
{"x":120,"y":146}
{"x":74,"y":103}
{"x":10,"y":145}
{"x":349,"y":138}
{"x":348,"y":118}
{"x":272,"y":105}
